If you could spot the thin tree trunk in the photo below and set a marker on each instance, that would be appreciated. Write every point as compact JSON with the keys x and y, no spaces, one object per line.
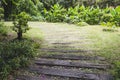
{"x":19,"y":35}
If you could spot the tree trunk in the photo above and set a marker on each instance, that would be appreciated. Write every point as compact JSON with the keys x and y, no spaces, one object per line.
{"x":19,"y":35}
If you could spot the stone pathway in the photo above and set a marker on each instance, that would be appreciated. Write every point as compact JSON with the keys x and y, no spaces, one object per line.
{"x":67,"y":55}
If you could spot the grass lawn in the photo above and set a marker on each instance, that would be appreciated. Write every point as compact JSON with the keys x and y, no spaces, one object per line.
{"x":107,"y":42}
{"x":34,"y":32}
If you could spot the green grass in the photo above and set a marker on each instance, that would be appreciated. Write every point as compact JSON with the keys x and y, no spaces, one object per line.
{"x":108,"y":43}
{"x":34,"y":33}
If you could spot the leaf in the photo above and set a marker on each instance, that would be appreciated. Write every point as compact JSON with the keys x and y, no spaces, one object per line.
{"x":113,"y":12}
{"x":117,"y":9}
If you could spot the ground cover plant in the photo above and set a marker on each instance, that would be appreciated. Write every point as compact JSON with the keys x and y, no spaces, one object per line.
{"x":15,"y":55}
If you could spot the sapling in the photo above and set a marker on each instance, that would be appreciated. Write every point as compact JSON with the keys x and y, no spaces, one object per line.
{"x":21,"y":24}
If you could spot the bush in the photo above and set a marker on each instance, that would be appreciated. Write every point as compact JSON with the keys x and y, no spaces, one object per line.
{"x":93,"y":16}
{"x":111,"y":18}
{"x":116,"y":70}
{"x":1,"y":13}
{"x":117,"y":16}
{"x":15,"y":55}
{"x":3,"y":29}
{"x":37,"y":18}
{"x":55,"y":14}
{"x":28,"y":7}
{"x":72,"y":15}
{"x":106,"y":18}
{"x":21,"y":24}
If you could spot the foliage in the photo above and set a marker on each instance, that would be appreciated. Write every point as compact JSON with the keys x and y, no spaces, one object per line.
{"x":64,"y":3}
{"x":82,"y":24}
{"x":117,"y":16}
{"x":3,"y":29}
{"x":112,"y":17}
{"x":14,"y":7}
{"x":116,"y":71}
{"x":21,"y":24}
{"x":15,"y":55}
{"x":55,"y":14}
{"x":91,"y":15}
{"x":9,"y":8}
{"x":31,"y":9}
{"x":1,"y":13}
{"x":37,"y":18}
{"x":72,"y":15}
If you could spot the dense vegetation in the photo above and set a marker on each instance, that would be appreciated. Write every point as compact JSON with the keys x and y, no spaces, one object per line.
{"x":79,"y":12}
{"x":71,"y":11}
{"x":15,"y":53}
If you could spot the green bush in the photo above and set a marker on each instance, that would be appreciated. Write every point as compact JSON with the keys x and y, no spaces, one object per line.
{"x":106,"y":18}
{"x":21,"y":24}
{"x":15,"y":55}
{"x":3,"y":29}
{"x":117,"y":16}
{"x":93,"y":15}
{"x":116,"y":70}
{"x":111,"y":18}
{"x":55,"y":14}
{"x":72,"y":15}
{"x":1,"y":13}
{"x":28,"y":7}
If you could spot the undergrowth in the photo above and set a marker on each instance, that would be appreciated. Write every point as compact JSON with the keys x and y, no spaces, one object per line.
{"x":15,"y":55}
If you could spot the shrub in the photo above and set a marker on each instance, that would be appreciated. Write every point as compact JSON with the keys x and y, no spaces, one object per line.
{"x":72,"y":15}
{"x":1,"y":13}
{"x":37,"y":18}
{"x":111,"y":18}
{"x":21,"y":24}
{"x":106,"y":18}
{"x":117,"y":16}
{"x":56,"y":14}
{"x":116,"y":70}
{"x":28,"y":7}
{"x":93,"y":15}
{"x":15,"y":55}
{"x":3,"y":29}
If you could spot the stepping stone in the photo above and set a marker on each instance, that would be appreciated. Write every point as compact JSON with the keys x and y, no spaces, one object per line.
{"x":66,"y":51}
{"x":71,"y":73}
{"x":72,"y":57}
{"x":65,"y":63}
{"x":25,"y":77}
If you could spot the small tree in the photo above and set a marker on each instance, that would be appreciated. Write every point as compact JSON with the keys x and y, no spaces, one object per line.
{"x":21,"y":24}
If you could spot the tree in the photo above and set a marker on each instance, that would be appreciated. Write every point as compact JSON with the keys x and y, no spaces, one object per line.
{"x":14,"y":7}
{"x":21,"y":24}
{"x":9,"y":7}
{"x":27,"y":6}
